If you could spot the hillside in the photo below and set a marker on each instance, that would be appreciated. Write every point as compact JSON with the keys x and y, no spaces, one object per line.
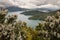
{"x":38,"y":15}
{"x":14,"y":9}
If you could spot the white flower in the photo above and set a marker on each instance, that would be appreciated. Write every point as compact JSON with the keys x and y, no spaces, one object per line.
{"x":4,"y":33}
{"x":52,"y":25}
{"x":49,"y":19}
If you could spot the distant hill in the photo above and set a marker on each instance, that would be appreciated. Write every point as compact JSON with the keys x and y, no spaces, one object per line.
{"x":14,"y":9}
{"x":38,"y":15}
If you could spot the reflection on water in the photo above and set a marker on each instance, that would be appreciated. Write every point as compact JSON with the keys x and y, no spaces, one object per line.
{"x":24,"y":18}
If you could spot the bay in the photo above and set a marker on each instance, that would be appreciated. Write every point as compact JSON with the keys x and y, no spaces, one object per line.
{"x":24,"y":18}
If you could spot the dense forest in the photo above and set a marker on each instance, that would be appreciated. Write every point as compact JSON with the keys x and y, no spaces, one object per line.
{"x":10,"y":29}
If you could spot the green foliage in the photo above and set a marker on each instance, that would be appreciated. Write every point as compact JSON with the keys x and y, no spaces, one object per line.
{"x":50,"y":29}
{"x":10,"y":29}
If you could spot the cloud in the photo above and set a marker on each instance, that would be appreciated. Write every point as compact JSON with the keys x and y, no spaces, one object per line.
{"x":32,"y":3}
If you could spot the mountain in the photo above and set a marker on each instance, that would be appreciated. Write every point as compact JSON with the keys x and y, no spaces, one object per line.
{"x":14,"y":9}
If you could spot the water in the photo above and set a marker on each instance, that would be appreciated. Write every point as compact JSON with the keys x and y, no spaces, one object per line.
{"x":22,"y":17}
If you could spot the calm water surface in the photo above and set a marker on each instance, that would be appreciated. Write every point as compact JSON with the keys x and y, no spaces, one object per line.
{"x":22,"y":17}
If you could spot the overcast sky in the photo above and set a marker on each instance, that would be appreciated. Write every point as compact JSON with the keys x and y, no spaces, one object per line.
{"x":32,"y":3}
